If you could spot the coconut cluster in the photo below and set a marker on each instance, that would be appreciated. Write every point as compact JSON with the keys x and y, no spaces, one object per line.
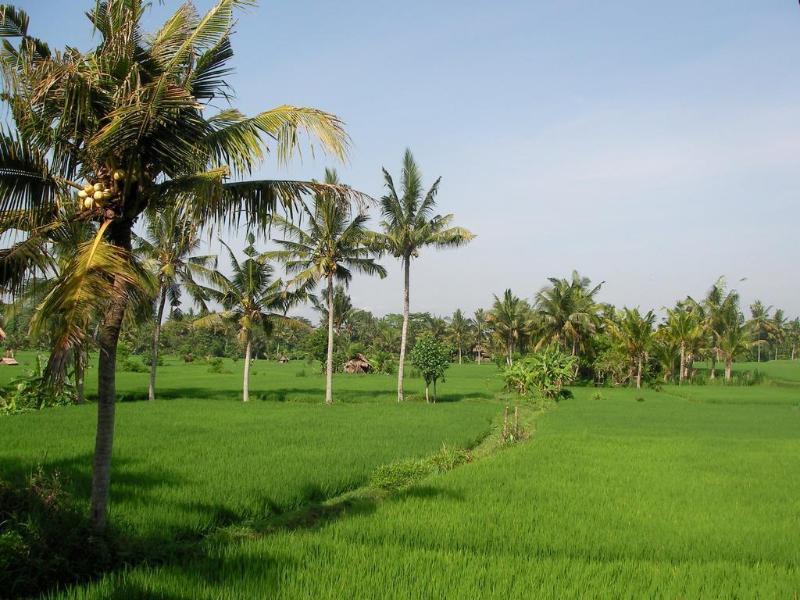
{"x":96,"y":195}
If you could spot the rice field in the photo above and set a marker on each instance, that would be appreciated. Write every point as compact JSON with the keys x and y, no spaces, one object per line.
{"x":689,"y":492}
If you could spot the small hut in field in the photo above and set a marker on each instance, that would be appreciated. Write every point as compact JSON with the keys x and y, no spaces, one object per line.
{"x":283,"y":360}
{"x":481,"y":354}
{"x":8,"y":359}
{"x":357,"y":364}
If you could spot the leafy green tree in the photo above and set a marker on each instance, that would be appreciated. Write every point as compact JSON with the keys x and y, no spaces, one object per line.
{"x":778,"y":330}
{"x":134,"y":118}
{"x":409,"y":224}
{"x":250,"y":297}
{"x":634,"y":332}
{"x":511,"y":321}
{"x":431,"y":358}
{"x":331,"y":246}
{"x":793,"y":336}
{"x":167,"y":250}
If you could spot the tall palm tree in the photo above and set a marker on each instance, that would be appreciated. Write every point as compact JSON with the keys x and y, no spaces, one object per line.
{"x":331,"y":246}
{"x":717,"y":308}
{"x":634,"y":332}
{"x":166,"y":249}
{"x":480,"y":331}
{"x":250,"y":297}
{"x":460,"y":328}
{"x":409,"y":224}
{"x":760,"y":325}
{"x":135,"y":118}
{"x":510,"y":319}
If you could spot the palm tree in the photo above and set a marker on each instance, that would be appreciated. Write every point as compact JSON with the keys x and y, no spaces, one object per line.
{"x":250,"y":297}
{"x":716,"y":309}
{"x":760,"y":325}
{"x":342,"y":308}
{"x":733,"y":339}
{"x":568,"y":311}
{"x":793,"y":335}
{"x":634,"y":332}
{"x":460,"y":327}
{"x":135,"y":119}
{"x":778,"y":333}
{"x":170,"y":240}
{"x":408,"y":226}
{"x":511,"y":322}
{"x":684,"y":329}
{"x":480,"y":330}
{"x":666,"y":352}
{"x":333,"y":243}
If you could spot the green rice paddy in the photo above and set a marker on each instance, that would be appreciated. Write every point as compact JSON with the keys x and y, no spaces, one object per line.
{"x":679,"y":493}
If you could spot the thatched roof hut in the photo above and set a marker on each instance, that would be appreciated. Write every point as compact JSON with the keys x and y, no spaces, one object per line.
{"x":283,"y":360}
{"x":357,"y":364}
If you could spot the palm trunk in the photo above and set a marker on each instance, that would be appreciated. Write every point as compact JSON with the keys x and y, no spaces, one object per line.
{"x":759,"y":352}
{"x":434,"y":391}
{"x":510,"y":353}
{"x":329,"y":366}
{"x":106,"y":390}
{"x":793,"y":349}
{"x":246,"y":377}
{"x":404,"y":334}
{"x":728,"y":369}
{"x":682,"y":372}
{"x":427,"y":396}
{"x":459,"y":355}
{"x":714,"y":359}
{"x":639,"y":374}
{"x":79,"y":358}
{"x":151,"y":393}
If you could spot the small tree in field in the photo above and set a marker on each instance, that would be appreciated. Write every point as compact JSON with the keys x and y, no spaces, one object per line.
{"x":432,"y":358}
{"x":543,"y":373}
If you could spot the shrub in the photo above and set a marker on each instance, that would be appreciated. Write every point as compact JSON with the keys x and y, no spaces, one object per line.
{"x":543,"y":374}
{"x":216,"y":365}
{"x":147,"y":360}
{"x":130,"y":364}
{"x":32,"y":392}
{"x":44,"y":538}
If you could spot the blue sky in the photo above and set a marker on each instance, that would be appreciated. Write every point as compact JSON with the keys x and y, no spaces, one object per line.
{"x":650,"y":145}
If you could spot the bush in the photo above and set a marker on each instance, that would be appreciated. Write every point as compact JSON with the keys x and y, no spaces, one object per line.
{"x":130,"y":364}
{"x":147,"y":360}
{"x":32,"y":392}
{"x":44,"y":538}
{"x":216,"y":365}
{"x":543,"y":374}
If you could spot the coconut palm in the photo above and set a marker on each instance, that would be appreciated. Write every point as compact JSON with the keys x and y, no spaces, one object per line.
{"x":331,"y":246}
{"x":166,"y":249}
{"x":684,"y":329}
{"x":634,"y":332}
{"x":511,"y":321}
{"x":460,"y":328}
{"x":568,"y":312}
{"x":409,"y":224}
{"x":793,"y":335}
{"x":131,"y":125}
{"x":733,"y":339}
{"x":778,"y":329}
{"x":342,"y":308}
{"x":480,"y":331}
{"x":760,"y":325}
{"x":719,"y":306}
